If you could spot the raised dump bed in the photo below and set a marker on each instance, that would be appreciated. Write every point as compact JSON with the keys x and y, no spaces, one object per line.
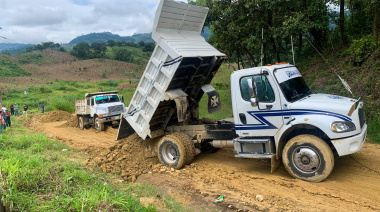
{"x":178,"y":73}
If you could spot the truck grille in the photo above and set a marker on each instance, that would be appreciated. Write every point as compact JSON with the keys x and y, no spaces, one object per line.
{"x":361,"y":117}
{"x":117,"y":108}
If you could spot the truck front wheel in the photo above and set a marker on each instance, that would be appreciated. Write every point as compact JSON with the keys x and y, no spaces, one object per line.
{"x":81,"y":122}
{"x":308,"y":157}
{"x":176,"y":150}
{"x":99,"y":126}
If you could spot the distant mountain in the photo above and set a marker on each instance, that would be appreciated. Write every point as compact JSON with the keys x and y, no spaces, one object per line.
{"x":105,"y":36}
{"x":14,"y":48}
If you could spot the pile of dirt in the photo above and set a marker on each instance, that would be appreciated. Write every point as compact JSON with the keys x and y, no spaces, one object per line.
{"x":131,"y":157}
{"x":57,"y":115}
{"x":71,"y":122}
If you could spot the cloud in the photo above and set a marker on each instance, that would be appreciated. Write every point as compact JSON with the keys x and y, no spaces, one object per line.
{"x":61,"y":21}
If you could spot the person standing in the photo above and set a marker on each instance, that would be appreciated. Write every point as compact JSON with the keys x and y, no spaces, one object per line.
{"x":4,"y":108}
{"x":7,"y":119}
{"x":16,"y":110}
{"x":12,"y":109}
{"x":2,"y":122}
{"x":3,"y":117}
{"x":25,"y":110}
{"x":42,"y":105}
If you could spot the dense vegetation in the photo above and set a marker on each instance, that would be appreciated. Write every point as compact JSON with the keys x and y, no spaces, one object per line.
{"x":119,"y":49}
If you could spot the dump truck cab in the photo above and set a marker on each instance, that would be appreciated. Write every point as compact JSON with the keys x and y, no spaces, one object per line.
{"x":274,"y":101}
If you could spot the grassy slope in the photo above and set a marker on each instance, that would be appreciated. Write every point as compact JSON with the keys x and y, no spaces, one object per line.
{"x":36,"y":175}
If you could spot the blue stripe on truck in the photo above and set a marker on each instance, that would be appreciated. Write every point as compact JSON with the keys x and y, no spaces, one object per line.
{"x":265,"y":124}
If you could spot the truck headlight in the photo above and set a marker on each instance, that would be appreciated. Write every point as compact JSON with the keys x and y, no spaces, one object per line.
{"x":340,"y":127}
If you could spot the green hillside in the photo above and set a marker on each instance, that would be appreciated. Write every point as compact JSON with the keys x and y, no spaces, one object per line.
{"x":105,"y":36}
{"x":11,"y":69}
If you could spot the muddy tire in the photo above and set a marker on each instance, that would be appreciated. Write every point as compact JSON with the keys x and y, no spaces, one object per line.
{"x":308,"y":157}
{"x":189,"y":146}
{"x":81,"y":122}
{"x":175,"y":150}
{"x":98,"y":125}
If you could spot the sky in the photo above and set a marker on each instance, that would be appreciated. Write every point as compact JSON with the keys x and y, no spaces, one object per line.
{"x":60,"y":21}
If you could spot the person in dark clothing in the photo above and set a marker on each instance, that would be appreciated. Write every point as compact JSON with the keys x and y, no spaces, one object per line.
{"x":7,"y":119}
{"x":42,"y":105}
{"x":12,"y":109}
{"x":2,"y":122}
{"x":25,"y":110}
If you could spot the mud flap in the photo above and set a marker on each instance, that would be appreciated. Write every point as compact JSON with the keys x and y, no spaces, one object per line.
{"x":181,"y":103}
{"x":274,"y":163}
{"x":214,"y":104}
{"x":125,"y":129}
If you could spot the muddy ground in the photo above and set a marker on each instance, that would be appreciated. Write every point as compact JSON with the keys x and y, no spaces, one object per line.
{"x":354,"y":184}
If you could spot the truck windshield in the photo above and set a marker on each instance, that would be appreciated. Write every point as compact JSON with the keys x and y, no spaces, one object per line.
{"x":107,"y":99}
{"x":295,"y":89}
{"x":291,"y":83}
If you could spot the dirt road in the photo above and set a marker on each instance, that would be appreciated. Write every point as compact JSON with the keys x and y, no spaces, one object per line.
{"x":354,"y":185}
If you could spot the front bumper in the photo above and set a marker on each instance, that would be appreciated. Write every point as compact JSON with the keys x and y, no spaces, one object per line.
{"x":346,"y":146}
{"x":109,"y":118}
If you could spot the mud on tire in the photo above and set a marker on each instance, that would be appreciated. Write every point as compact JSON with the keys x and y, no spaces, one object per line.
{"x":175,"y":150}
{"x":81,"y":122}
{"x":308,"y":157}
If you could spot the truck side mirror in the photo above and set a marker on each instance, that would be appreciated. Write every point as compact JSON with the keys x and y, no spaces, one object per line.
{"x":252,"y":92}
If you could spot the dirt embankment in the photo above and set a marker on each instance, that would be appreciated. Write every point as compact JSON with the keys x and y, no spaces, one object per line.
{"x":354,"y":185}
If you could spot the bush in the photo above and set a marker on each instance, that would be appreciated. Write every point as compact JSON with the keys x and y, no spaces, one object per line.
{"x":361,"y":49}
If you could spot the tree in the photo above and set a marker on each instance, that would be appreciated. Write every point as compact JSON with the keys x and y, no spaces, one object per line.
{"x":123,"y":54}
{"x":111,"y":43}
{"x":141,"y":43}
{"x":341,"y":22}
{"x":81,"y":50}
{"x":149,"y":47}
{"x":99,"y":50}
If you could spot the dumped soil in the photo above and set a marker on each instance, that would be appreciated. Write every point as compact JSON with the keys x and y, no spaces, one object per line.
{"x":130,"y":157}
{"x":246,"y":184}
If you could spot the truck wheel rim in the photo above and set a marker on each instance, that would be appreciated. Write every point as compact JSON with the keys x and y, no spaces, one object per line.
{"x":306,"y":159}
{"x":170,"y":153}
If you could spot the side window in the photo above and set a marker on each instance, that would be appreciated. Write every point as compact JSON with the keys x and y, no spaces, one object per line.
{"x":264,"y":89}
{"x":244,"y":88}
{"x":88,"y":101}
{"x":92,"y":101}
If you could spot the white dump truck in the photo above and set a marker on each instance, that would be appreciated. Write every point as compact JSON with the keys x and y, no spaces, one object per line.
{"x":275,"y":115}
{"x":99,"y":108}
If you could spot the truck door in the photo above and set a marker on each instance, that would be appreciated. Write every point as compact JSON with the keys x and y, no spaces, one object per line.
{"x":92,"y":107}
{"x":265,"y":119}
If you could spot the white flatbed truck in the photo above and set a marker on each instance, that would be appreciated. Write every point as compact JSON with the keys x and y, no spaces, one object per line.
{"x":275,"y":115}
{"x":99,"y":108}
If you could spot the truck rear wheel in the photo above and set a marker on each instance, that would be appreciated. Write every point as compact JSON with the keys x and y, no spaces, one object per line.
{"x":81,"y":122}
{"x":175,"y":150}
{"x":308,"y":157}
{"x":98,"y":125}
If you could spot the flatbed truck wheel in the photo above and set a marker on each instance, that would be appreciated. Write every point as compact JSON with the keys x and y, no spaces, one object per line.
{"x":81,"y":122}
{"x":176,"y":150}
{"x":308,"y":157}
{"x":98,"y":125}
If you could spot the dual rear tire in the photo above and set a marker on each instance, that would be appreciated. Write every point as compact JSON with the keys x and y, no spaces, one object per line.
{"x":176,"y":150}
